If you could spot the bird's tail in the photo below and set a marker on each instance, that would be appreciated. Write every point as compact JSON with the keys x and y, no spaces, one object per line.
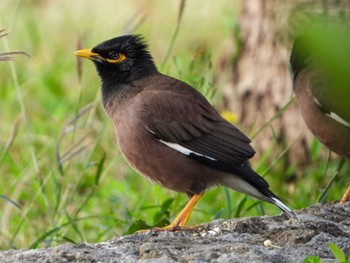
{"x":276,"y":201}
{"x":244,"y":179}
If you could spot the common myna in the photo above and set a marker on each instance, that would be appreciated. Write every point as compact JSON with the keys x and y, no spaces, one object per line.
{"x":168,"y":132}
{"x":320,"y":64}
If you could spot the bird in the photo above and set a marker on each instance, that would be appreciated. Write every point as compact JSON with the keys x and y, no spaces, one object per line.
{"x":168,"y":132}
{"x":320,"y":67}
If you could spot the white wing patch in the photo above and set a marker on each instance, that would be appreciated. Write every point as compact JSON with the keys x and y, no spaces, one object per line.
{"x":333,"y":115}
{"x":181,"y":149}
{"x":184,"y":150}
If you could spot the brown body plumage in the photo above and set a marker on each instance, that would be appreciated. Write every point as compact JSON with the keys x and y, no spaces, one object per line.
{"x":329,"y":131}
{"x":167,"y":130}
{"x":322,"y":87}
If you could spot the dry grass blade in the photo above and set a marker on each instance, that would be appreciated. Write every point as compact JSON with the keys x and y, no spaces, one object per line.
{"x":74,"y":149}
{"x":134,"y":22}
{"x":181,"y":11}
{"x":3,"y":33}
{"x":17,"y":52}
{"x":79,"y":61}
{"x":275,"y":116}
{"x":172,"y":42}
{"x":335,"y":177}
{"x":10,"y":141}
{"x":280,"y":156}
{"x":7,"y":56}
{"x":67,"y":127}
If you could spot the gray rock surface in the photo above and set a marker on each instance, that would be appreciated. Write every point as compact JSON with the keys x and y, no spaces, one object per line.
{"x":236,"y":240}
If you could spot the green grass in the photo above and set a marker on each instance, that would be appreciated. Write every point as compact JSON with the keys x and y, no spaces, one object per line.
{"x":62,"y":176}
{"x":337,"y":253}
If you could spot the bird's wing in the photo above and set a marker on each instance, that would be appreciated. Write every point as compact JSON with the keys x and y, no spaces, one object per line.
{"x":182,"y":119}
{"x":332,"y":100}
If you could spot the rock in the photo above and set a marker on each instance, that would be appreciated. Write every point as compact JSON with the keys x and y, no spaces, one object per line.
{"x":235,"y":240}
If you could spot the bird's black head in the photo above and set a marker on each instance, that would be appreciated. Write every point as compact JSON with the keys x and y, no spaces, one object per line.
{"x":120,"y":60}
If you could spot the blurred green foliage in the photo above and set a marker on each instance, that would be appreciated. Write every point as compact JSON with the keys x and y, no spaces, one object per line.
{"x":326,"y":44}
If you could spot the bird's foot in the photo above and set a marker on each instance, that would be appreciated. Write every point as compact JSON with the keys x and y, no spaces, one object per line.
{"x":180,"y":221}
{"x":171,"y":227}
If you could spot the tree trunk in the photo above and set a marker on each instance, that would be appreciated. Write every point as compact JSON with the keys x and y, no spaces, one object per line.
{"x":262,"y":82}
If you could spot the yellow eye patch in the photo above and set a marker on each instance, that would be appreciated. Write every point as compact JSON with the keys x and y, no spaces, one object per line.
{"x":116,"y":58}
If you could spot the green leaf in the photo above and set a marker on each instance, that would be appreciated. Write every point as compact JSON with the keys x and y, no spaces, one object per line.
{"x":229,"y":203}
{"x":167,"y":203}
{"x":337,"y":252}
{"x":44,"y":236}
{"x":100,"y":168}
{"x":164,"y":211}
{"x":312,"y":259}
{"x":240,"y":206}
{"x":219,"y":214}
{"x":161,"y":223}
{"x":142,"y":225}
{"x":137,"y":225}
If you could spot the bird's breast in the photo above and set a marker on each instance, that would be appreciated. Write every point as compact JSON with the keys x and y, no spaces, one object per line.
{"x":156,"y":161}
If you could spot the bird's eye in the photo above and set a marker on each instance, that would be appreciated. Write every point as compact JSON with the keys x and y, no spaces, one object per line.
{"x":115,"y":57}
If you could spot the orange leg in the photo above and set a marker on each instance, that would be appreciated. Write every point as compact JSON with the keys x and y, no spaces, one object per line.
{"x":181,"y":220}
{"x":346,"y":196}
{"x":185,"y":214}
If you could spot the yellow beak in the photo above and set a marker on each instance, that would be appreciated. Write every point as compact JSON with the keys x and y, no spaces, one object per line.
{"x":86,"y":53}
